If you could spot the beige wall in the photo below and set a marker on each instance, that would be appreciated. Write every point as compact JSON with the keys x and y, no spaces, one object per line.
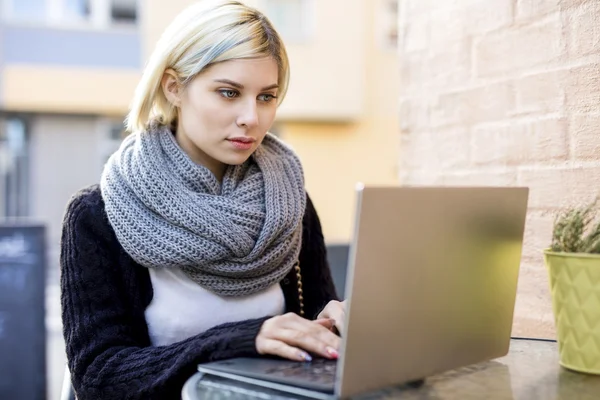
{"x":335,"y":158}
{"x":505,"y":93}
{"x":37,"y":88}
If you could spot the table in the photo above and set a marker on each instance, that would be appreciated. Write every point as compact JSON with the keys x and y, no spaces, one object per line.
{"x":530,"y":371}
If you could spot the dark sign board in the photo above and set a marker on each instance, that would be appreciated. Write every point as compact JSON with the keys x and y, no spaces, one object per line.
{"x":22,"y":326}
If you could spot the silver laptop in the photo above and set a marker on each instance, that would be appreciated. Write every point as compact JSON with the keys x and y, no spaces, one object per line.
{"x":431,"y":287}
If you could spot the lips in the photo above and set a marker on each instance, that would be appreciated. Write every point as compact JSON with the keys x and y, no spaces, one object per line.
{"x":242,"y":143}
{"x":243,"y":139}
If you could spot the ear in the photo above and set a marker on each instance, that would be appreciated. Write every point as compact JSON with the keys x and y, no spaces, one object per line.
{"x":171,"y":87}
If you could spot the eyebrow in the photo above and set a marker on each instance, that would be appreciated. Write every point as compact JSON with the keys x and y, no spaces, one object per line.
{"x":240,"y":86}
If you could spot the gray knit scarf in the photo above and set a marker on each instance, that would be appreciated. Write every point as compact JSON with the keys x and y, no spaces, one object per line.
{"x":234,"y":237}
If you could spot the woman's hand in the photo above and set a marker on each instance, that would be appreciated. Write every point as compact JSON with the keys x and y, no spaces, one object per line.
{"x":293,"y":337}
{"x":335,"y":310}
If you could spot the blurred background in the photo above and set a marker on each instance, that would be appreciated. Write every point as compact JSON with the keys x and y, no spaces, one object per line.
{"x":461,"y":92}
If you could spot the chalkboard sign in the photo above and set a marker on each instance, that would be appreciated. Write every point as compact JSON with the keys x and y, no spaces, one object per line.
{"x":22,"y":327}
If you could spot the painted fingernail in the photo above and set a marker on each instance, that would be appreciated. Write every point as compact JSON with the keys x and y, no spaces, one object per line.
{"x":305,"y":356}
{"x":332,"y":352}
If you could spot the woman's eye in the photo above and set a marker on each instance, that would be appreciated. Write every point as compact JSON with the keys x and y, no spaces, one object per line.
{"x":227,"y":93}
{"x":266,"y":97}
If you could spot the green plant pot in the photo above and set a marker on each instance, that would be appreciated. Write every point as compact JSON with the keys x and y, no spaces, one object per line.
{"x":575,"y":287}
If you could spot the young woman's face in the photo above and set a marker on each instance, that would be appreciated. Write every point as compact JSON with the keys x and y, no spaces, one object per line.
{"x":225,"y":112}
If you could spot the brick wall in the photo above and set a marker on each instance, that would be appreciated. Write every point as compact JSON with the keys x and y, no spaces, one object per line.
{"x":505,"y":92}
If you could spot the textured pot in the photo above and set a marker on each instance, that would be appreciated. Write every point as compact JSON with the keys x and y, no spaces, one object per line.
{"x":575,"y":286}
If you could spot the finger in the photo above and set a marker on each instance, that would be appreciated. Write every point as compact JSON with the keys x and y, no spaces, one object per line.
{"x":334,"y":309}
{"x":326,"y":311}
{"x":303,"y":333}
{"x":314,"y":338}
{"x":320,"y":329}
{"x":339,"y":323}
{"x":309,"y":342}
{"x":337,"y":313}
{"x":281,"y":349}
{"x":327,"y":323}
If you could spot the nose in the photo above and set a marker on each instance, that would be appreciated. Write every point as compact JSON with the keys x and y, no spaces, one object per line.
{"x":248,"y":116}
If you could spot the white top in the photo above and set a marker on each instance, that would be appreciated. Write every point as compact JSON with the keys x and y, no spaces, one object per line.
{"x":181,"y":308}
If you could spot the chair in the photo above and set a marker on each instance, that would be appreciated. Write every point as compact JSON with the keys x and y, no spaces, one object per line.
{"x":337,"y":256}
{"x":67,"y":392}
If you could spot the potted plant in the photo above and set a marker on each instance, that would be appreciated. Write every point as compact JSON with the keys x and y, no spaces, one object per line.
{"x":573,"y":263}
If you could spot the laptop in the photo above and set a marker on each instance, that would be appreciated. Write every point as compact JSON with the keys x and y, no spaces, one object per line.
{"x":431,"y":287}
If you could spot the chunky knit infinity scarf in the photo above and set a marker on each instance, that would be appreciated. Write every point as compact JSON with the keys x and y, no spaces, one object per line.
{"x":234,"y":237}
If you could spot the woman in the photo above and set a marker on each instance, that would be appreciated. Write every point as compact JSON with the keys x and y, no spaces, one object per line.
{"x":200,"y":243}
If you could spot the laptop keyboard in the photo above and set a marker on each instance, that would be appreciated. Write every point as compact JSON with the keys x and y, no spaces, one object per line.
{"x":319,"y":370}
{"x":217,"y":389}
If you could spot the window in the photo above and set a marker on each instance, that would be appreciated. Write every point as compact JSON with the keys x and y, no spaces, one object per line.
{"x":123,"y":11}
{"x":293,"y":19}
{"x":33,"y":10}
{"x":14,"y":182}
{"x":86,"y":13}
{"x":74,"y":10}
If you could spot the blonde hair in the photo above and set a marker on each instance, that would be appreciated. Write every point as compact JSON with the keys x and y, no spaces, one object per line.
{"x":207,"y":32}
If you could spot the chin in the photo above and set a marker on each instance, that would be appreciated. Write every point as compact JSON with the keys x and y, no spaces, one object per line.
{"x":237,"y":159}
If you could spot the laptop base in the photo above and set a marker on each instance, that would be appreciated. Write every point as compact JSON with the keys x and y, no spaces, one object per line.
{"x":269,"y":387}
{"x":264,"y":387}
